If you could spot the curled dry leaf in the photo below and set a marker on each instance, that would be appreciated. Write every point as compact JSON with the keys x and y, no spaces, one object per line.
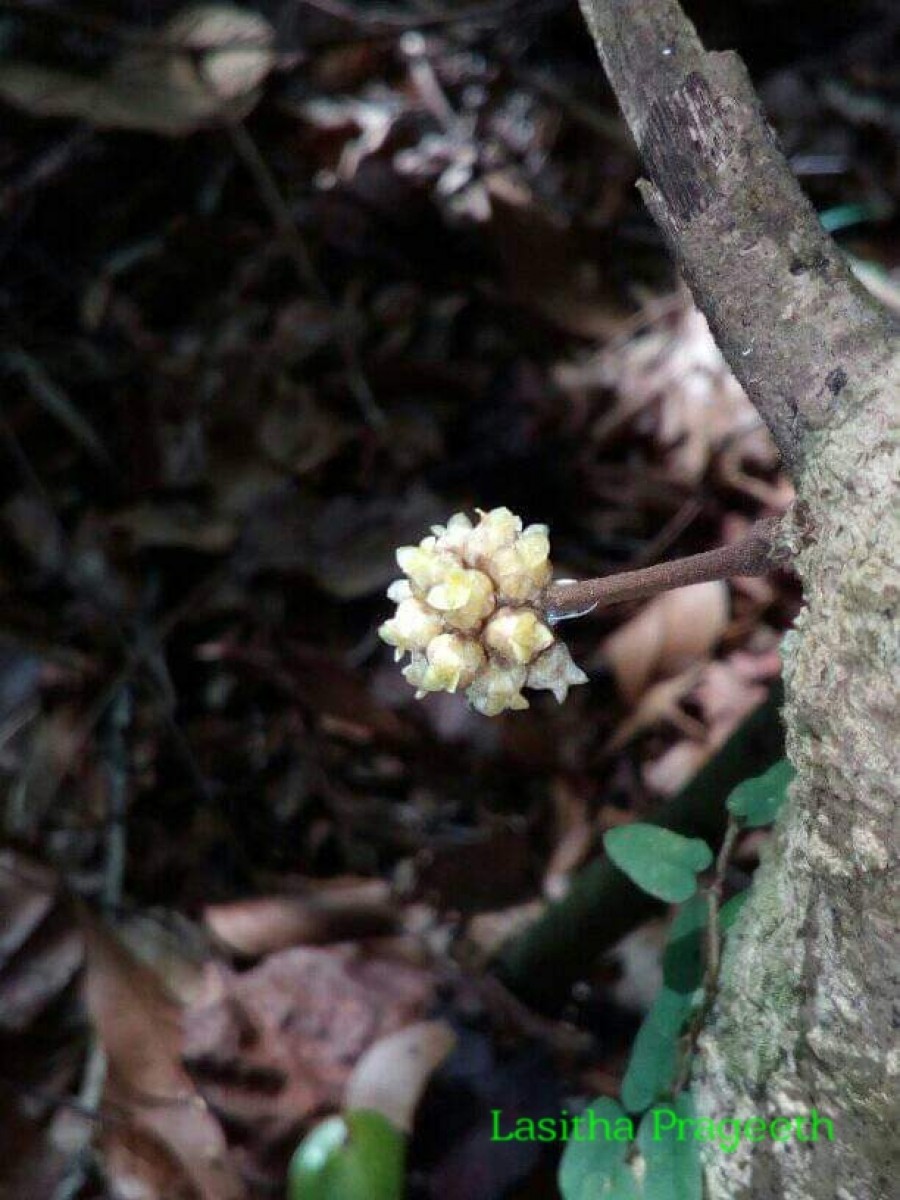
{"x":392,"y":1074}
{"x":209,"y":63}
{"x":40,"y":951}
{"x":671,"y":378}
{"x":268,"y":923}
{"x":671,"y":771}
{"x":164,"y":1128}
{"x":728,"y":691}
{"x":669,"y":633}
{"x":574,"y":833}
{"x":660,"y":703}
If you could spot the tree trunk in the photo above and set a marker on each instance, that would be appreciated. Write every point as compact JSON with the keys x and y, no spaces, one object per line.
{"x":803,"y":1017}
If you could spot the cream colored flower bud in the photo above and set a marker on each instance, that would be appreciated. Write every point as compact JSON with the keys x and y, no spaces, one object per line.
{"x":424,"y":564}
{"x":533,"y":547}
{"x":496,"y":529}
{"x":470,"y":613}
{"x":416,"y":674}
{"x":411,"y":628}
{"x":453,"y":662}
{"x":517,"y":635}
{"x":465,"y":597}
{"x":521,"y":571}
{"x":399,"y":591}
{"x":555,"y":672}
{"x":454,"y":535}
{"x":496,"y":689}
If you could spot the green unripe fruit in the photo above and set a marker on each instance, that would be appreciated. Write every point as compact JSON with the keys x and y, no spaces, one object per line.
{"x":356,"y":1156}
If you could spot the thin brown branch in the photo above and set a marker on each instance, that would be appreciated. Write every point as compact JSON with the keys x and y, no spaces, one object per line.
{"x":754,"y":554}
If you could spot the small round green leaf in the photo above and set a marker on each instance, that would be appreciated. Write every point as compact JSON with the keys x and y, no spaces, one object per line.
{"x":590,"y":1170}
{"x":654,"y":1055}
{"x":684,"y":953}
{"x":757,"y":801}
{"x":673,"y":1170}
{"x":660,"y":862}
{"x":356,"y":1156}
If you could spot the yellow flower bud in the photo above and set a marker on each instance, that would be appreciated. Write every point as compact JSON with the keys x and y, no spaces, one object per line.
{"x":517,"y":635}
{"x":496,"y":529}
{"x":454,"y":661}
{"x":533,"y":547}
{"x":399,"y":590}
{"x":415,"y":673}
{"x":517,"y":575}
{"x":465,"y":597}
{"x":424,"y":564}
{"x":411,"y":628}
{"x":449,"y":621}
{"x":454,"y":535}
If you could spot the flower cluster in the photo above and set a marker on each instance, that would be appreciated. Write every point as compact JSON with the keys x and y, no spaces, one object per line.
{"x":469,"y":613}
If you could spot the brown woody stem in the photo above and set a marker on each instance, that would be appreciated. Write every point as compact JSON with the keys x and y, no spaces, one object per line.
{"x":754,"y":554}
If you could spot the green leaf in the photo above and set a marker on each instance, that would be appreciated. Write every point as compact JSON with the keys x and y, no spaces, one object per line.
{"x":357,"y":1156}
{"x":654,"y":1055}
{"x":596,"y":1170}
{"x":660,"y":862}
{"x":673,"y":1170}
{"x":683,"y":955}
{"x":757,"y":801}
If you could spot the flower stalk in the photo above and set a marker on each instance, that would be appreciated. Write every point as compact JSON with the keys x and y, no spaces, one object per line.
{"x":754,"y":554}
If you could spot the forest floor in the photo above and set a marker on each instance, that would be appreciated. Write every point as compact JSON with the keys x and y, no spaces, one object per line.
{"x":268,"y":314}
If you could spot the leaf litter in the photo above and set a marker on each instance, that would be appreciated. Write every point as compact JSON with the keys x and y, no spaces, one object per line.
{"x":295,"y":865}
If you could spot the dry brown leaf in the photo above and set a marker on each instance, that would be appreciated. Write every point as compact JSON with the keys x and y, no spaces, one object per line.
{"x":574,"y":834}
{"x":658,"y":705}
{"x":728,"y":691}
{"x":139,"y":1027}
{"x":669,"y":632}
{"x":268,"y":923}
{"x":40,"y":951}
{"x":672,"y":377}
{"x":671,"y":771}
{"x":392,"y":1074}
{"x":279,"y":1046}
{"x":165,"y":90}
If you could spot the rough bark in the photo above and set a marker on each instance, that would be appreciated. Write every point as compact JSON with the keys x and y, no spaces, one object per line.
{"x":803,"y":1018}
